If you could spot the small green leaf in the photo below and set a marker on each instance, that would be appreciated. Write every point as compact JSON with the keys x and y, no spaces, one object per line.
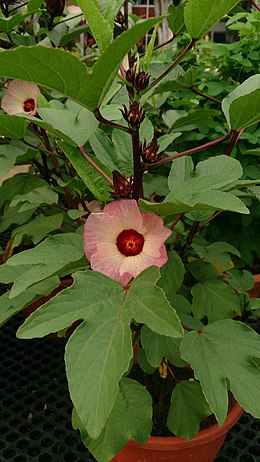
{"x":219,"y":368}
{"x":37,"y":229}
{"x":172,"y":274}
{"x":188,"y":409}
{"x":216,"y":253}
{"x":214,"y":299}
{"x":201,"y":15}
{"x":240,"y":280}
{"x":8,"y":24}
{"x":157,"y":346}
{"x":241,"y":106}
{"x":176,"y":18}
{"x":35,"y":198}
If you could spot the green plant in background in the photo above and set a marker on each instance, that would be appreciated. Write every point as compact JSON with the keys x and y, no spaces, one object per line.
{"x":127,"y":150}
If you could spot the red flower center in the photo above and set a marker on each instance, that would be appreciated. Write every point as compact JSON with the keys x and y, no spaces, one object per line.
{"x":29,"y":105}
{"x":129,"y":242}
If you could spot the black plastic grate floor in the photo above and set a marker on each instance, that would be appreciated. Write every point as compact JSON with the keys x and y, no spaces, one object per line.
{"x":35,"y":408}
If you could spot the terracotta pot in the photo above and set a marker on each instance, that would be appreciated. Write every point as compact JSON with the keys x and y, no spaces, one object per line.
{"x":202,"y":448}
{"x":255,"y":292}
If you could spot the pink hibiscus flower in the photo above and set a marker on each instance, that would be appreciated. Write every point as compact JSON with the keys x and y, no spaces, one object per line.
{"x":21,"y":97}
{"x":121,"y":241}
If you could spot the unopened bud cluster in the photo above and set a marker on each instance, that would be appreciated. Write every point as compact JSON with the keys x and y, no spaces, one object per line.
{"x":55,"y":7}
{"x":122,"y":185}
{"x":134,"y":116}
{"x":150,"y":151}
{"x":139,"y":81}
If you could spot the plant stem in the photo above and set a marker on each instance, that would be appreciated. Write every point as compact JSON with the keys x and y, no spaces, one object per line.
{"x":166,"y":72}
{"x":177,"y":219}
{"x":256,"y":5}
{"x":102,"y":119}
{"x":193,"y":231}
{"x":204,"y":95}
{"x":38,"y":148}
{"x":190,"y":151}
{"x":233,"y":141}
{"x":137,"y":181}
{"x":209,"y":220}
{"x":165,"y":43}
{"x":126,"y":13}
{"x":171,"y":372}
{"x":93,"y":163}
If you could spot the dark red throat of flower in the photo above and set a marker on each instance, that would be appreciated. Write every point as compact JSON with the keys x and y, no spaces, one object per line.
{"x":130,"y":243}
{"x":29,"y":105}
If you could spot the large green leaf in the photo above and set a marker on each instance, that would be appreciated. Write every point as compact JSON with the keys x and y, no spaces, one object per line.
{"x":176,"y":19}
{"x":131,"y":417}
{"x":94,"y":181}
{"x":12,"y":126}
{"x":101,"y":28}
{"x":242,"y":106}
{"x":216,"y":253}
{"x":201,"y":15}
{"x":188,"y":409}
{"x":214,"y":299}
{"x":26,"y":63}
{"x":222,"y":355}
{"x":100,"y":350}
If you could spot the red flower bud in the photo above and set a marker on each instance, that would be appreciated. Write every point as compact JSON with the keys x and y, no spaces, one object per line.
{"x":122,"y":185}
{"x":149,"y":153}
{"x":134,"y":116}
{"x":55,"y":7}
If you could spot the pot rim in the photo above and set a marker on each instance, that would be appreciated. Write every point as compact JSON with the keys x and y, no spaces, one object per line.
{"x":203,"y":437}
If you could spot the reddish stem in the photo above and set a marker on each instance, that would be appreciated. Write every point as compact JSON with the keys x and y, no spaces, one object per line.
{"x":204,"y":95}
{"x":137,"y":181}
{"x":102,"y":119}
{"x":232,"y":143}
{"x":99,"y":169}
{"x":190,"y":151}
{"x":255,"y":5}
{"x":166,"y":72}
{"x":177,"y":219}
{"x":209,"y":220}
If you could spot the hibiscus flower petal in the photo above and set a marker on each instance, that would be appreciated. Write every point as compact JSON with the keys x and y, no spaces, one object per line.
{"x":128,"y":213}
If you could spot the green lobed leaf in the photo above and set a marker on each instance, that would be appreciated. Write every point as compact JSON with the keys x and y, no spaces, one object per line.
{"x":12,"y":126}
{"x":131,"y":417}
{"x":187,"y":410}
{"x":93,"y":369}
{"x":214,"y":299}
{"x":222,"y":356}
{"x":201,"y":15}
{"x":241,"y":106}
{"x":25,"y":63}
{"x":99,"y":187}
